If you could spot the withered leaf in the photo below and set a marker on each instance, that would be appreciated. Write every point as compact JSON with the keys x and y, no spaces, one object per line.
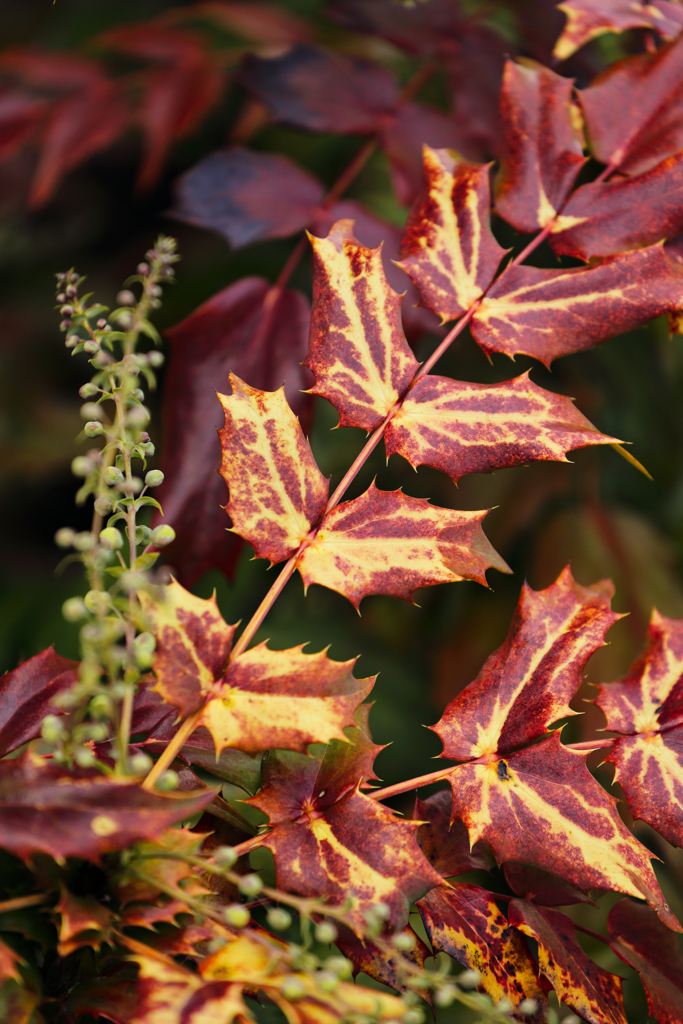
{"x":464,"y":428}
{"x":541,"y":887}
{"x":247,"y":196}
{"x":551,"y":313}
{"x":26,"y":694}
{"x":386,"y":542}
{"x":541,"y":152}
{"x":587,"y":19}
{"x":448,"y":249}
{"x":640,"y":939}
{"x":463,"y":920}
{"x":445,"y":842}
{"x":578,"y":981}
{"x":261,"y":335}
{"x":645,"y":709}
{"x":193,"y":644}
{"x":634,"y":110}
{"x":610,"y":217}
{"x":45,"y":809}
{"x":358,"y":352}
{"x":277,"y":491}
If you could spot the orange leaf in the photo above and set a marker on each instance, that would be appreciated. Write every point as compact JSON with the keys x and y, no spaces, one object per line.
{"x":477,"y":428}
{"x":276,"y":490}
{"x":642,"y":942}
{"x":385,"y":542}
{"x":646,"y":709}
{"x":448,"y":249}
{"x":463,"y":920}
{"x":358,"y":351}
{"x":578,"y":981}
{"x":551,"y":313}
{"x":83,"y":922}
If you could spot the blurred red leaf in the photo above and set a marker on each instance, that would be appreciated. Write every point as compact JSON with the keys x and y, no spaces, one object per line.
{"x":404,"y":136}
{"x":641,"y":940}
{"x":26,"y":694}
{"x":446,"y":843}
{"x":262,"y":336}
{"x":587,"y":19}
{"x":540,"y":886}
{"x":247,"y":196}
{"x":54,"y":72}
{"x":376,"y":963}
{"x":263,"y":23}
{"x":19,"y":115}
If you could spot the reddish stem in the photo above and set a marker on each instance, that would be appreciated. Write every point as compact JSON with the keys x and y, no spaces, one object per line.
{"x":405,"y":787}
{"x":590,"y":744}
{"x":265,"y":606}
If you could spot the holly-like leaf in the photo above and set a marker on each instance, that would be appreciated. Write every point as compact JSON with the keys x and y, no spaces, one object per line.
{"x":464,"y":428}
{"x":247,"y":196}
{"x":541,"y":887}
{"x":463,"y":920}
{"x":588,"y":19}
{"x":26,"y":696}
{"x":609,"y":217}
{"x":448,"y":249}
{"x":551,"y":313}
{"x":45,"y":809}
{"x":193,"y":644}
{"x":445,"y":842}
{"x":578,"y":981}
{"x":232,"y":765}
{"x":646,"y":710}
{"x":542,"y":152}
{"x":389,"y":969}
{"x":284,"y":699}
{"x":385,"y":542}
{"x":277,"y":491}
{"x":358,"y":352}
{"x":82,"y":922}
{"x":258,"y":334}
{"x":634,"y":110}
{"x":640,"y":939}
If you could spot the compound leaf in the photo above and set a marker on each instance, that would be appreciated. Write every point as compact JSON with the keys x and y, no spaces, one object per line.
{"x":640,"y":939}
{"x":26,"y":694}
{"x":385,"y":542}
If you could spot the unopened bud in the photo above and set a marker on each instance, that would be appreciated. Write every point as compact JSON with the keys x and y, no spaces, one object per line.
{"x":404,"y":941}
{"x":225,"y":856}
{"x":93,"y":428}
{"x":138,"y":394}
{"x":113,"y":475}
{"x":293,"y":988}
{"x":325,"y":932}
{"x":84,"y":541}
{"x":156,"y":359}
{"x":52,"y":729}
{"x":101,"y":323}
{"x":250,"y":885}
{"x":111,"y":539}
{"x":162,"y":536}
{"x":169,"y":780}
{"x":444,"y":996}
{"x":98,"y":601}
{"x":143,"y":268}
{"x":74,"y":609}
{"x":138,"y":416}
{"x":469,"y":979}
{"x":154,"y":478}
{"x":237,"y":915}
{"x":84,"y":757}
{"x":125,"y":298}
{"x":61,"y":297}
{"x":527,"y":1007}
{"x":88,"y":390}
{"x":132,"y":486}
{"x":101,"y":706}
{"x":92,"y":411}
{"x":66,"y":310}
{"x":71,"y":292}
{"x":414,"y":1016}
{"x":340,"y":965}
{"x":91,"y":347}
{"x":327,"y":981}
{"x":72,"y":341}
{"x":64,"y":538}
{"x":65,"y":325}
{"x":103,"y":505}
{"x":81,"y":466}
{"x":140,"y":763}
{"x":279,"y":919}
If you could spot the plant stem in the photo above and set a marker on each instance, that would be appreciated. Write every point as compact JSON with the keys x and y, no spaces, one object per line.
{"x":185,"y":730}
{"x":24,"y":901}
{"x":405,"y":787}
{"x":265,"y":606}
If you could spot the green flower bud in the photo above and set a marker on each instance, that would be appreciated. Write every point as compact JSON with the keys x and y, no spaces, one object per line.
{"x":504,"y":1005}
{"x":156,"y":359}
{"x":101,"y":707}
{"x":140,"y":763}
{"x":84,"y":757}
{"x":414,"y":1016}
{"x":103,"y":505}
{"x":72,"y":341}
{"x":97,"y":601}
{"x":91,"y":411}
{"x":138,"y":416}
{"x":74,"y":609}
{"x":340,"y":965}
{"x":111,"y":539}
{"x":404,"y":941}
{"x":327,"y":981}
{"x":146,"y":642}
{"x":93,"y":428}
{"x":52,"y":729}
{"x":84,"y":541}
{"x":237,"y":915}
{"x":250,"y":885}
{"x":169,"y":780}
{"x":444,"y":996}
{"x":113,"y":475}
{"x":154,"y":478}
{"x":88,"y":390}
{"x":82,"y":465}
{"x":527,"y":1007}
{"x":162,"y":536}
{"x":139,"y":394}
{"x":91,"y":347}
{"x":293,"y":988}
{"x":125,"y":298}
{"x":326,"y":932}
{"x":132,"y":486}
{"x":468,"y":979}
{"x":64,"y":538}
{"x":97,"y":732}
{"x":279,"y":919}
{"x":225,"y":856}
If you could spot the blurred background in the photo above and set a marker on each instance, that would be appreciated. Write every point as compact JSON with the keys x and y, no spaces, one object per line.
{"x":91,"y":186}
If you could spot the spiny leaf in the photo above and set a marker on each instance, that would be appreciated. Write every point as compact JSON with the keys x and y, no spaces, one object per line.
{"x":385,"y":542}
{"x":463,"y":920}
{"x":527,"y":684}
{"x":232,"y":765}
{"x":284,"y":699}
{"x":276,"y":490}
{"x":388,"y":969}
{"x":82,"y":922}
{"x":634,"y":110}
{"x":464,"y":428}
{"x":578,"y":981}
{"x":610,"y":217}
{"x":26,"y":694}
{"x":448,"y":249}
{"x":193,"y":644}
{"x":646,"y":710}
{"x":587,"y":19}
{"x":551,"y":313}
{"x":358,"y":352}
{"x":641,"y":940}
{"x":542,"y":152}
{"x":445,"y":842}
{"x":541,"y":887}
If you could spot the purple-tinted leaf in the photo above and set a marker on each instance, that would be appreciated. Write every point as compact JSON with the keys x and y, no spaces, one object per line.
{"x":26,"y":694}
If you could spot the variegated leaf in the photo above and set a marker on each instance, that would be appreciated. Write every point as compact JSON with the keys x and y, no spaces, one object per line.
{"x":358,"y":351}
{"x":527,"y":684}
{"x":444,"y":841}
{"x":448,"y":249}
{"x":541,"y":887}
{"x":551,"y":313}
{"x":578,"y":981}
{"x":388,"y":969}
{"x":464,"y":428}
{"x":646,"y":710}
{"x":277,"y":491}
{"x":588,"y":19}
{"x":640,"y":939}
{"x":542,"y":152}
{"x":463,"y":920}
{"x":385,"y":542}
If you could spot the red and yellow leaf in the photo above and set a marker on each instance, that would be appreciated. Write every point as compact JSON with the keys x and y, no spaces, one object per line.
{"x":646,"y":710}
{"x":588,"y":19}
{"x":551,"y":313}
{"x":463,"y":920}
{"x":464,"y":428}
{"x":276,"y":490}
{"x":26,"y":696}
{"x":358,"y":351}
{"x":640,"y":939}
{"x":448,"y":249}
{"x":389,"y":969}
{"x":531,"y":883}
{"x":385,"y":542}
{"x":542,"y":152}
{"x":82,"y":922}
{"x":578,"y":981}
{"x":445,"y":842}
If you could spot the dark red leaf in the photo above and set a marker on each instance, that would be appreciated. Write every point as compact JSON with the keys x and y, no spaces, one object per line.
{"x":19,"y":114}
{"x":641,"y":940}
{"x":262,"y":23}
{"x":247,"y":196}
{"x":56,"y":72}
{"x":403,"y":138}
{"x":260,"y":335}
{"x":540,"y":886}
{"x":446,"y":844}
{"x":26,"y":694}
{"x":423,"y":28}
{"x":476,"y":72}
{"x":368,"y":958}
